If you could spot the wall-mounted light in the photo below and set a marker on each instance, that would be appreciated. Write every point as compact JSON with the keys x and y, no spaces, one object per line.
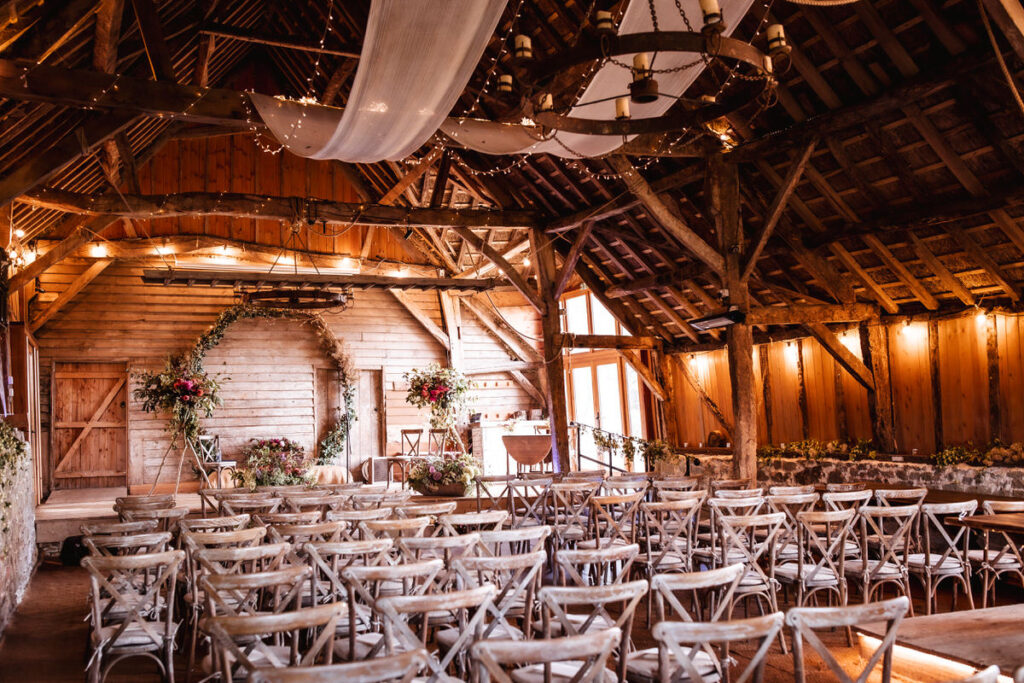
{"x":981,"y":317}
{"x":914,"y":332}
{"x":792,"y":353}
{"x":98,"y":250}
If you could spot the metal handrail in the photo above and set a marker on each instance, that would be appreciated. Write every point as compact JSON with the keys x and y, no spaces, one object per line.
{"x":611,"y":468}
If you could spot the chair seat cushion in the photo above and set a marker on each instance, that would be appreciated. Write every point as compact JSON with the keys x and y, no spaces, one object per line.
{"x":133,"y":636}
{"x":642,"y":665}
{"x":365,"y":642}
{"x":813,"y":575}
{"x":447,"y":637}
{"x":1007,"y":561}
{"x":887,"y":570}
{"x":560,"y":671}
{"x":934,"y":561}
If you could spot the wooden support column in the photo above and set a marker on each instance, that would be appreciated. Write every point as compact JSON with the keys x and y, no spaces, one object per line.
{"x":933,"y":365}
{"x":995,"y":413}
{"x":558,"y":407}
{"x":669,"y":426}
{"x":875,"y":350}
{"x":724,"y":194}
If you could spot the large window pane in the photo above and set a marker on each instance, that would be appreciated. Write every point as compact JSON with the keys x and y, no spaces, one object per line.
{"x":604,"y":322}
{"x":576,"y":315}
{"x":636,"y":420}
{"x":610,"y":402}
{"x":583,"y":402}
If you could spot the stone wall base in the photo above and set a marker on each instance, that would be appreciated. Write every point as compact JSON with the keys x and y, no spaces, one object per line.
{"x":17,"y":541}
{"x":994,"y":481}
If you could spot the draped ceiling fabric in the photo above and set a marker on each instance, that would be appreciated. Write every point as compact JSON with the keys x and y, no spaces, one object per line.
{"x":610,"y":81}
{"x":416,"y":60}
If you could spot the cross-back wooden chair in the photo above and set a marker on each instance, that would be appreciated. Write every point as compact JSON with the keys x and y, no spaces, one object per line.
{"x":328,"y":560}
{"x":819,"y":566}
{"x":570,"y":508}
{"x":624,"y":483}
{"x":580,"y":659}
{"x":804,"y":621}
{"x":752,"y":539}
{"x":845,"y":487}
{"x":613,"y":519}
{"x":128,"y":544}
{"x":467,"y":609}
{"x":992,"y":561}
{"x":674,"y":484}
{"x":791,"y":504}
{"x":596,"y":566}
{"x":167,"y":519}
{"x":514,"y":541}
{"x":309,"y":501}
{"x":424,"y":509}
{"x":670,"y":495}
{"x":454,"y":524}
{"x":279,"y":490}
{"x":401,"y":668}
{"x":890,"y":527}
{"x":269,"y":592}
{"x":216,"y":497}
{"x":222,"y":523}
{"x":366,"y":585}
{"x":275,"y":518}
{"x":669,"y":530}
{"x":411,"y":440}
{"x":709,"y":535}
{"x":710,"y":594}
{"x":219,"y":559}
{"x":723,"y":494}
{"x":942,"y":556}
{"x":685,"y":642}
{"x":395,"y":528}
{"x":576,"y":610}
{"x":437,"y":439}
{"x":718,"y":485}
{"x":118,"y":528}
{"x":492,"y":492}
{"x":297,"y":534}
{"x":913,"y":496}
{"x":529,"y":500}
{"x":445,"y":548}
{"x":790,"y":490}
{"x":841,"y":500}
{"x":250,"y":643}
{"x":132,"y":610}
{"x":516,"y":579}
{"x":353,"y":531}
{"x":254,"y":504}
{"x":146,"y":502}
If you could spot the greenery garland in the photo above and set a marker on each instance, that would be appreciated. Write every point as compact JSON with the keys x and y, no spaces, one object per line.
{"x":12,"y":455}
{"x":193,"y":359}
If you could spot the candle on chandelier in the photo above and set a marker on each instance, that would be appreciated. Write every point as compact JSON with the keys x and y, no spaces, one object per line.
{"x":547,"y":102}
{"x":641,"y":66}
{"x":777,"y":43}
{"x":712,"y":12}
{"x":524,"y":47}
{"x":603,"y":22}
{"x":505,"y":84}
{"x":621,"y":108}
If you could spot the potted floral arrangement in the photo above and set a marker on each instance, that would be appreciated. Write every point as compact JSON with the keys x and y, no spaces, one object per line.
{"x":443,"y":476}
{"x":444,"y":391}
{"x":273,"y":462}
{"x":181,"y":390}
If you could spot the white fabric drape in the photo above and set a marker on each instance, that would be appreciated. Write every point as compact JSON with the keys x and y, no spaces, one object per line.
{"x":417,"y":58}
{"x":611,"y":80}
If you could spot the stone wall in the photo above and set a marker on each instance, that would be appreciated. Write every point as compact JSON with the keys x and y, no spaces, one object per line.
{"x":17,"y":539}
{"x":995,"y":481}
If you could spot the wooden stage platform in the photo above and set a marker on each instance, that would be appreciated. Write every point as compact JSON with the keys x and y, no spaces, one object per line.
{"x":931,"y":648}
{"x":64,"y":511}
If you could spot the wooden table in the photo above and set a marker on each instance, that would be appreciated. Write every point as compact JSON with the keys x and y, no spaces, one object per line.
{"x":1006,"y":522}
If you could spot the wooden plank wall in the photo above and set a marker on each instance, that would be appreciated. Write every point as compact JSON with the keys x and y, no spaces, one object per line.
{"x":835,"y":406}
{"x":270,"y":363}
{"x":235,"y":164}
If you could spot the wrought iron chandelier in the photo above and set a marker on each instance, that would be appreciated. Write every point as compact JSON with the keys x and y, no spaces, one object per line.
{"x":744,"y":71}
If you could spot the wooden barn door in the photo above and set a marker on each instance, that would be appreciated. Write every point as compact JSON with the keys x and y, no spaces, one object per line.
{"x":89,"y":432}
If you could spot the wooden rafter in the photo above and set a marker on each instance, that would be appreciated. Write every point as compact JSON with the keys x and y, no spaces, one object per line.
{"x":73,"y":290}
{"x":514,"y":276}
{"x":422,"y":318}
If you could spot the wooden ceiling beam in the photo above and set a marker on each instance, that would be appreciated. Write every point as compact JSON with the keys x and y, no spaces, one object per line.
{"x":842,"y":355}
{"x":572,"y":258}
{"x":982,"y":258}
{"x":657,"y":281}
{"x":72,"y":290}
{"x":801,"y":314}
{"x":109,"y":15}
{"x":234,"y":278}
{"x":879,"y":294}
{"x":665,"y":216}
{"x":606,"y":341}
{"x":157,"y":51}
{"x":946,"y":277}
{"x":514,"y":276}
{"x":1008,"y":15}
{"x":901,"y":272}
{"x":241,"y":205}
{"x":282,"y":41}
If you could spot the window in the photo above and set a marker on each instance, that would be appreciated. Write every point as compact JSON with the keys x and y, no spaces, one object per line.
{"x":604,"y":390}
